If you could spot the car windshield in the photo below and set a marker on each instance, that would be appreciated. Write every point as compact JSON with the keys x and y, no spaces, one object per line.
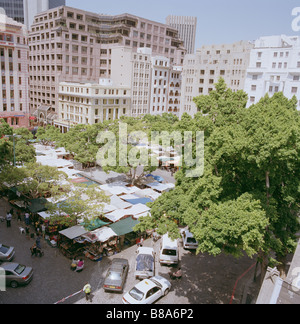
{"x":144,"y":262}
{"x":169,"y":252}
{"x":191,"y":240}
{"x":113,"y":275}
{"x":4,"y":249}
{"x":136,"y":294}
{"x":19,"y":269}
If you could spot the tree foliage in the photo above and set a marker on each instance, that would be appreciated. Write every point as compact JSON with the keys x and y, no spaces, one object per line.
{"x":81,"y":204}
{"x":248,"y":199}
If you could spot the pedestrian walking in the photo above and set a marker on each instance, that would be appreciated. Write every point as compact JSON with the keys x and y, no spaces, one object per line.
{"x":87,"y":290}
{"x":33,"y":250}
{"x":27,"y":219}
{"x":43,"y":230}
{"x":38,"y":242}
{"x":19,"y":216}
{"x":8,"y":219}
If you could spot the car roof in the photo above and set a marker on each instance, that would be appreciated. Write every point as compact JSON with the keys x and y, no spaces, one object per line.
{"x":9,"y":265}
{"x":145,"y":285}
{"x":119,"y":261}
{"x":145,"y":250}
{"x":188,"y":234}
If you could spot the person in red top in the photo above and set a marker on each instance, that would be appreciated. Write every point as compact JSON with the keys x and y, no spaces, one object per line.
{"x":80,"y":265}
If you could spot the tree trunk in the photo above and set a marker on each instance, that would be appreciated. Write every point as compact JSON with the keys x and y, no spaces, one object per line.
{"x":263,"y":259}
{"x":282,"y":265}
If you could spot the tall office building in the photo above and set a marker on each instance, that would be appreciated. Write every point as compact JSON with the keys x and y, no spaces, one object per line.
{"x":68,"y":44}
{"x":13,"y":9}
{"x":24,"y":11}
{"x":186,"y":27}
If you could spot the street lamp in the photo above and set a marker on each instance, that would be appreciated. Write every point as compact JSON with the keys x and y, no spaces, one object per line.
{"x":14,"y":144}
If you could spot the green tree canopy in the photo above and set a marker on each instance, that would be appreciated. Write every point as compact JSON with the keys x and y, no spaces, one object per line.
{"x":248,"y":198}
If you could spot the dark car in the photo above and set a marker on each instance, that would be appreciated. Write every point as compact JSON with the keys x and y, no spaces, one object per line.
{"x":16,"y":274}
{"x":6,"y":253}
{"x":116,"y":276}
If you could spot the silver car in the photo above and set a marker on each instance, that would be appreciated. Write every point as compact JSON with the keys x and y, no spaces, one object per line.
{"x":6,"y":253}
{"x":16,"y":274}
{"x":116,"y":276}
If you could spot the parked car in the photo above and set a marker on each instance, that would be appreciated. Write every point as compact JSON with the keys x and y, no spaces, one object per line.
{"x":6,"y":253}
{"x":145,"y":263}
{"x":116,"y":276}
{"x":16,"y":274}
{"x":147,"y":291}
{"x":188,"y":240}
{"x":169,"y":251}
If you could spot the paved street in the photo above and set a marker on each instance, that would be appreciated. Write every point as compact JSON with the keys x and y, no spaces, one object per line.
{"x":207,"y":280}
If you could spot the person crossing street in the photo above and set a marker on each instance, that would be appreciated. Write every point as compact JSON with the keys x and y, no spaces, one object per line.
{"x":87,"y":290}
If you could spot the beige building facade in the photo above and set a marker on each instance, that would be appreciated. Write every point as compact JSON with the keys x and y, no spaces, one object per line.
{"x":91,"y":103}
{"x":14,"y":81}
{"x":68,"y":44}
{"x":202,"y":71}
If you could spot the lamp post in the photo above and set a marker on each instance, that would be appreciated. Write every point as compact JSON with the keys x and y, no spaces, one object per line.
{"x":14,"y":144}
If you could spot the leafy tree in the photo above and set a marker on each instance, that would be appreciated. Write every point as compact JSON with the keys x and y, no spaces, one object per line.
{"x":48,"y":135}
{"x":24,"y":152}
{"x":36,"y":180}
{"x":83,"y":204}
{"x":80,"y":141}
{"x":248,"y":198}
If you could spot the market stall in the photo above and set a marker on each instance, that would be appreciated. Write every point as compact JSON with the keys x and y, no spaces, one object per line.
{"x":68,"y":244}
{"x":100,"y":242}
{"x":124,"y":230}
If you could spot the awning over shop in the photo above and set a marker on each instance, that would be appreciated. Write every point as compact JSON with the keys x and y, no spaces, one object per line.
{"x":160,"y":187}
{"x":148,"y":193}
{"x":119,"y":203}
{"x":118,"y":188}
{"x":138,"y":200}
{"x":94,"y":224}
{"x":102,"y":234}
{"x":124,"y":226}
{"x":135,"y":210}
{"x":73,"y":232}
{"x":37,"y":205}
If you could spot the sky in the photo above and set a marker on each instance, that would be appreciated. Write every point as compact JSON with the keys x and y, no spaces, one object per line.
{"x":219,"y":21}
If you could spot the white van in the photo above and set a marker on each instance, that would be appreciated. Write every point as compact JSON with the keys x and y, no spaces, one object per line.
{"x":169,"y":252}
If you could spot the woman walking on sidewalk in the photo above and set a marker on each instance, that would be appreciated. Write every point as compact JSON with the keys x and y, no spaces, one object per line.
{"x":8,"y":219}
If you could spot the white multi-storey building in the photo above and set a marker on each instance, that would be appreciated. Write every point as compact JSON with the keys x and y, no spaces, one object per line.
{"x":141,"y":82}
{"x":201,"y":71}
{"x":274,"y":67}
{"x":155,"y":82}
{"x":91,"y":103}
{"x":160,"y":85}
{"x":175,"y":83}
